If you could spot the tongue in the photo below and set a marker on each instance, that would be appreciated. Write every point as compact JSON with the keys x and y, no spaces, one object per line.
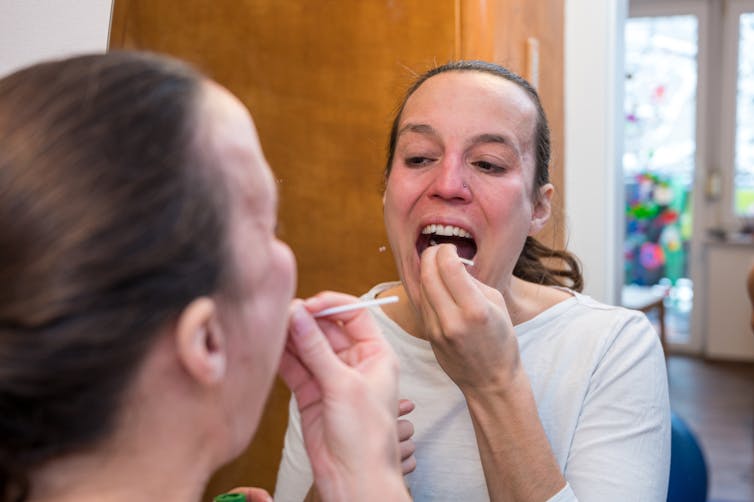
{"x":465,"y":247}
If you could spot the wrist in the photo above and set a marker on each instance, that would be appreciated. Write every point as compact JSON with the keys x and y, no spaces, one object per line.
{"x":507,"y":387}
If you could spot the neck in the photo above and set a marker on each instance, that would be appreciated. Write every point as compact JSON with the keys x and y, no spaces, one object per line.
{"x":123,"y":474}
{"x":165,"y":445}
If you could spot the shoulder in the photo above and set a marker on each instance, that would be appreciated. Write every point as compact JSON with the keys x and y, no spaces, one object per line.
{"x":586,"y":330}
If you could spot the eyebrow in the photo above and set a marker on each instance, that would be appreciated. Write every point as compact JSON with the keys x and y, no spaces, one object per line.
{"x":418,"y":128}
{"x":476,"y":140}
{"x":491,"y":138}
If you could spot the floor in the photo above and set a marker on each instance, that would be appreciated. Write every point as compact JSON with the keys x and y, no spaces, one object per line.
{"x":716,"y":399}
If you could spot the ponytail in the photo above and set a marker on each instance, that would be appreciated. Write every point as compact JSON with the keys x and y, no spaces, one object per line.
{"x":533,"y":265}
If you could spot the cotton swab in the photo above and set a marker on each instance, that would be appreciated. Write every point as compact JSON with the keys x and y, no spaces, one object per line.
{"x":466,"y":261}
{"x":355,"y":306}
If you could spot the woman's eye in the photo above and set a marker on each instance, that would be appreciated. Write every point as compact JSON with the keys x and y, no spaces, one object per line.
{"x":417,"y":161}
{"x":488,"y":167}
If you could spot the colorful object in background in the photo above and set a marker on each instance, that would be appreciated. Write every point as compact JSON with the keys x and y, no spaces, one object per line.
{"x":657,"y":230}
{"x":651,"y":255}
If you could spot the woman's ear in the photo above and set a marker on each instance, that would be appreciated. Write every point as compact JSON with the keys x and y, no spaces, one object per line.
{"x":200,"y":342}
{"x":542,"y":208}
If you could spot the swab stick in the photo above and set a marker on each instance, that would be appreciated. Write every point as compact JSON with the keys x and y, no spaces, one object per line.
{"x":355,"y":306}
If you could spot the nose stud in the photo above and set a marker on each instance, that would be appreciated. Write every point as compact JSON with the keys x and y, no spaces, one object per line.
{"x":465,"y":185}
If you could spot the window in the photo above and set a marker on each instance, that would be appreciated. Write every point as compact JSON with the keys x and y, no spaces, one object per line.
{"x":743,"y":185}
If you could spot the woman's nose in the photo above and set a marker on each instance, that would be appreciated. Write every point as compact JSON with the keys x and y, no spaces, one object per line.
{"x":450,"y":182}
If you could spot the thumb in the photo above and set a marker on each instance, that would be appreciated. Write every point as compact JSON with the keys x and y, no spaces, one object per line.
{"x":311,"y":345}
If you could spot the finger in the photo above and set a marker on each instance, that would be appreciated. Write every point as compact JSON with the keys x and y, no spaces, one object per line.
{"x":405,"y":430}
{"x":491,"y":294}
{"x":291,"y":369}
{"x":407,"y":449}
{"x":358,"y":323}
{"x":458,"y":283}
{"x":405,"y":406}
{"x":299,"y":380}
{"x":430,"y":280}
{"x":339,"y":338}
{"x":253,"y":494}
{"x":408,"y":465}
{"x":312,"y":347}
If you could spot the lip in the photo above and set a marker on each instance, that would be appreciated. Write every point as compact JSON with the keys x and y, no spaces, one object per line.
{"x":418,"y":236}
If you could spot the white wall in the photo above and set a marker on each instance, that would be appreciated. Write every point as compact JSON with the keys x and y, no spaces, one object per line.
{"x":593,"y":141}
{"x":34,"y":30}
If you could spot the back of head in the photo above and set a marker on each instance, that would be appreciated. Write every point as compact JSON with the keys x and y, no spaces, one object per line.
{"x":110,"y":225}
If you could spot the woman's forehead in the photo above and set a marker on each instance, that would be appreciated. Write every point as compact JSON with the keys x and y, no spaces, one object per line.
{"x":233,"y":144}
{"x":477,"y":99}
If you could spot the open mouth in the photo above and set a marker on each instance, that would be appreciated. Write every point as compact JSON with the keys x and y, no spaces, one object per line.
{"x":432,"y":235}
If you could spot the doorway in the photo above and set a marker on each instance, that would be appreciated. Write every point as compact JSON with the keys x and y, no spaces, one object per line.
{"x":662,"y":147}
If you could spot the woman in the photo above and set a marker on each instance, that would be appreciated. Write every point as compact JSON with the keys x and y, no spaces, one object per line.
{"x":145,"y":297}
{"x":524,"y":388}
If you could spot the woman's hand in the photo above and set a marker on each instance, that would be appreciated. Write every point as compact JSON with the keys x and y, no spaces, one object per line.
{"x":406,"y":445}
{"x":467,"y":324}
{"x":473,"y":339}
{"x":344,"y":377}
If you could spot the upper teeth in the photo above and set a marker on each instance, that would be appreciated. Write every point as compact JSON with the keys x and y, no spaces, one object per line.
{"x":447,"y":230}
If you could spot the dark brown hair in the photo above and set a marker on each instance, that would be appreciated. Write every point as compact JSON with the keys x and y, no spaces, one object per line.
{"x":111,"y":224}
{"x":537,"y":263}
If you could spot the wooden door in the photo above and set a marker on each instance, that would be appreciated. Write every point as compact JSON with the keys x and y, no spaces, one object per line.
{"x":322,"y":79}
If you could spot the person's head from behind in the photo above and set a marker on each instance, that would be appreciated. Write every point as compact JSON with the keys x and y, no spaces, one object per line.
{"x":468,"y":163}
{"x":138,"y":260}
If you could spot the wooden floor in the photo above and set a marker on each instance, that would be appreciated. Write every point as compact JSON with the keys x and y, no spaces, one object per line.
{"x":716,"y":400}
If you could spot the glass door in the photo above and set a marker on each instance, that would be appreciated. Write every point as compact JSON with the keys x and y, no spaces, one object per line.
{"x":661,"y":103}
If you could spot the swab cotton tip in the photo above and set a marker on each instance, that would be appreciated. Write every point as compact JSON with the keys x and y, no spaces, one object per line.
{"x":466,"y":261}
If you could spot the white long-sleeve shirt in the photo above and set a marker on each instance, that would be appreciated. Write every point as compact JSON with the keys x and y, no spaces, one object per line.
{"x":599,"y":380}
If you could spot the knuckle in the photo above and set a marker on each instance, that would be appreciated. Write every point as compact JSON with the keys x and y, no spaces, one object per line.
{"x":409,"y":465}
{"x":405,"y":429}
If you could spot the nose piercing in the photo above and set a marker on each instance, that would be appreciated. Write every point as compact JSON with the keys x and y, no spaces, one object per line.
{"x":465,"y":185}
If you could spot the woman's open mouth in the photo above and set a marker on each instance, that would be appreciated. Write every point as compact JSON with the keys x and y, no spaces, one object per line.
{"x":434,"y":234}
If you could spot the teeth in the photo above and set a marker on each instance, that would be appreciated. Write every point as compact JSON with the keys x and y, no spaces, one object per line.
{"x":446,"y":230}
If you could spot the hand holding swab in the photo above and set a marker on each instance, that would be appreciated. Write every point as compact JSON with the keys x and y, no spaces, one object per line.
{"x":354,"y":306}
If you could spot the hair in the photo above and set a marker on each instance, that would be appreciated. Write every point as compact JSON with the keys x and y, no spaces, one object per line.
{"x":110,"y":226}
{"x":537,"y":262}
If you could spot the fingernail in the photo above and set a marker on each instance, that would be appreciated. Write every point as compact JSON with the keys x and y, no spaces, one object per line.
{"x":404,"y":405}
{"x":301,"y":321}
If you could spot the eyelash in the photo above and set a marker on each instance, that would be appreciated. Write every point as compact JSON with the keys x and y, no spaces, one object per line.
{"x":482,"y":165}
{"x":418,"y":161}
{"x":488,"y":167}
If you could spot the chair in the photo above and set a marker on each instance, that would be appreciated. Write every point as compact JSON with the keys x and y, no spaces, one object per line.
{"x":688,"y":468}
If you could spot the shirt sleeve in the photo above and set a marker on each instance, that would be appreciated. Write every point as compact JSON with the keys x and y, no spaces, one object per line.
{"x":564,"y":495}
{"x":621,"y":447}
{"x":295,"y":473}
